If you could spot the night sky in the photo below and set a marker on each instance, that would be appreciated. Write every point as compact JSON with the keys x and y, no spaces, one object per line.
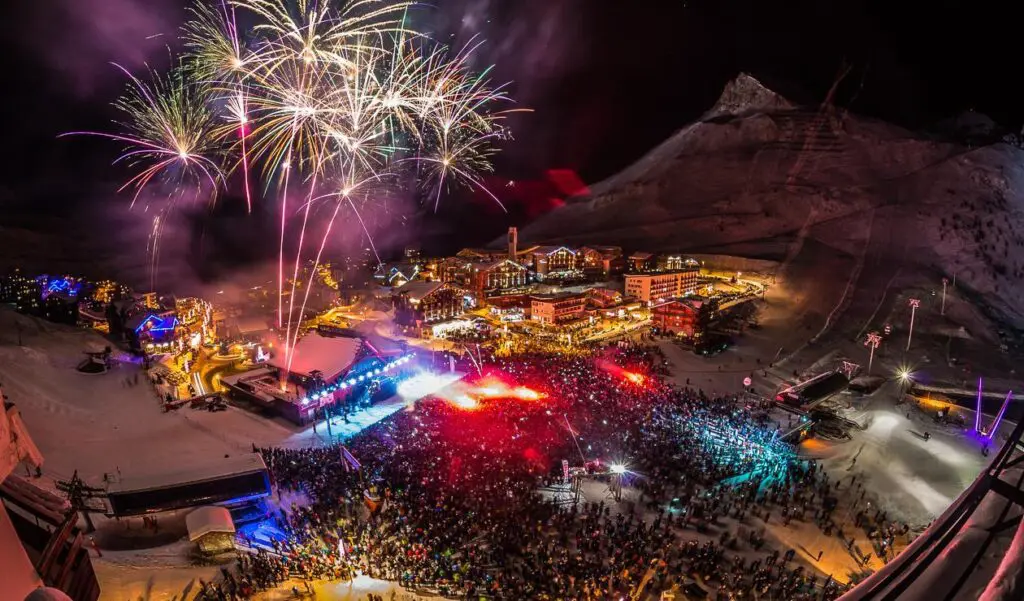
{"x":606,"y":80}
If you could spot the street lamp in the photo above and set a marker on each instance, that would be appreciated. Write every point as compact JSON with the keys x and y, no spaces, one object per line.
{"x":872,"y":342}
{"x":914,"y":304}
{"x":617,"y":470}
{"x":906,"y":378}
{"x":942,"y":310}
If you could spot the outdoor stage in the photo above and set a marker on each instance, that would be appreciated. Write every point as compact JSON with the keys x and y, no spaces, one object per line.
{"x":411,"y":390}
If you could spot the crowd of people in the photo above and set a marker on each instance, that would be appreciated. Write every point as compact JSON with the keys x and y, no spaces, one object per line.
{"x":472,"y":503}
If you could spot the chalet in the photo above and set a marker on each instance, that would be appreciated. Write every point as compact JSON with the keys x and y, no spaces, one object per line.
{"x":419,"y":303}
{"x":550,"y":260}
{"x":642,"y":261}
{"x":685,"y":317}
{"x":602,"y":261}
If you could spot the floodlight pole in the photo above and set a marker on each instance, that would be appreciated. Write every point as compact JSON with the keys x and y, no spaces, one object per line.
{"x":914,"y":304}
{"x":873,"y":341}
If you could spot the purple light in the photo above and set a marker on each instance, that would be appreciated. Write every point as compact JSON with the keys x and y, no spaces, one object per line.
{"x":999,"y":418}
{"x":161,"y":324}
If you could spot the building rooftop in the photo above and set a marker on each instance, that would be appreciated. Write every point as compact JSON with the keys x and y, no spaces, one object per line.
{"x":488,"y":265}
{"x":418,"y":290}
{"x":216,"y":467}
{"x":550,"y":249}
{"x":604,"y":250}
{"x":329,"y":355}
{"x":692,"y":302}
{"x":555,"y":296}
{"x":654,"y":274}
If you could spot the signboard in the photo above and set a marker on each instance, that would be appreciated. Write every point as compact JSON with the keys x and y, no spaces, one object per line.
{"x":565,"y":470}
{"x":747,"y":381}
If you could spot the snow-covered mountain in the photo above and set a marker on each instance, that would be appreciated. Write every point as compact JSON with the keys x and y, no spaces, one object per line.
{"x":835,"y":196}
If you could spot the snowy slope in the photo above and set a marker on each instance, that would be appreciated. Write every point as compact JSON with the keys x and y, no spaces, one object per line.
{"x":759,"y":177}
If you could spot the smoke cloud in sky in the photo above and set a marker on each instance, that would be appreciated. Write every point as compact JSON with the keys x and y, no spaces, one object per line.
{"x":533,"y":44}
{"x":78,"y":39}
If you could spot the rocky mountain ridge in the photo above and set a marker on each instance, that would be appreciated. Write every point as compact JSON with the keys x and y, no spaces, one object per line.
{"x":760,"y":177}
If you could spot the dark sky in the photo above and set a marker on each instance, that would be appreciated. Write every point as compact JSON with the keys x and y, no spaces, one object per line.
{"x":607,"y":80}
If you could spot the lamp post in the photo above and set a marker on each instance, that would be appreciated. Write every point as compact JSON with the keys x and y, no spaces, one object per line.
{"x":906,"y":380}
{"x":617,"y":470}
{"x":942,"y":310}
{"x":872,"y":342}
{"x":914,"y":304}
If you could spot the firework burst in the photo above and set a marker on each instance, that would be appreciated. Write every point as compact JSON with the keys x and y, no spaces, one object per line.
{"x":312,"y":94}
{"x":167,"y":130}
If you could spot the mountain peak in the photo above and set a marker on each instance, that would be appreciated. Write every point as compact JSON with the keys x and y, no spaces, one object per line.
{"x":745,"y":94}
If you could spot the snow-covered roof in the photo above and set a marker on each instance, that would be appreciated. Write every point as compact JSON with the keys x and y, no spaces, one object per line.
{"x":692,"y":303}
{"x":550,"y":250}
{"x":160,"y":319}
{"x":417,"y":291}
{"x":216,"y":467}
{"x":384,"y":346}
{"x":205,"y":520}
{"x":249,"y":324}
{"x":330,"y":356}
{"x":603,"y":250}
{"x":488,"y":265}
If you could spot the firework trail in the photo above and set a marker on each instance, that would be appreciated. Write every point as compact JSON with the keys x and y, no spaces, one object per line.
{"x":311,"y":93}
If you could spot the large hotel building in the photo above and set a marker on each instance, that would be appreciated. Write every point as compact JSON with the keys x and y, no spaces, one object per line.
{"x":659,"y":287}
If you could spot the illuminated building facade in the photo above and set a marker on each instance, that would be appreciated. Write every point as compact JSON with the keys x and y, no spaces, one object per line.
{"x":485,"y":278}
{"x":601,"y":261}
{"x":108,"y":291}
{"x":23,"y":292}
{"x":553,"y":259}
{"x":480,"y":254}
{"x":53,"y":298}
{"x":679,"y":316}
{"x":419,"y":303}
{"x":642,"y":261}
{"x":154,"y":328}
{"x":604,"y":297}
{"x":652,"y":288}
{"x":553,"y":309}
{"x":498,"y":277}
{"x":675,"y":261}
{"x":394,"y":275}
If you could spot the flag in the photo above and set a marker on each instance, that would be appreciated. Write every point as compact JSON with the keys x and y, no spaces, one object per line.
{"x":350,"y":459}
{"x":341,"y":455}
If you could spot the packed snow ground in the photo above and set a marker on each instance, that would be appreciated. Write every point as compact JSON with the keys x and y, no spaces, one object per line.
{"x":99,"y":424}
{"x":113,"y":422}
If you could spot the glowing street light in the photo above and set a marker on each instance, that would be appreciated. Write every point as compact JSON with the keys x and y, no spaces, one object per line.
{"x":872,"y":342}
{"x":617,"y":470}
{"x":914,"y":304}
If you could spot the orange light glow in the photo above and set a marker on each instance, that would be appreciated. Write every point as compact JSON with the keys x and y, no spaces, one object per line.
{"x":527,"y":394}
{"x":634,"y":377}
{"x":465,"y":402}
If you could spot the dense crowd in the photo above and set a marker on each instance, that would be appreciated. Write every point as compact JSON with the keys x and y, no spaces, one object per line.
{"x":473,"y":504}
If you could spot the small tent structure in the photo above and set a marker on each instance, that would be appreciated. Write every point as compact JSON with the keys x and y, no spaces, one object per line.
{"x":211,"y":528}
